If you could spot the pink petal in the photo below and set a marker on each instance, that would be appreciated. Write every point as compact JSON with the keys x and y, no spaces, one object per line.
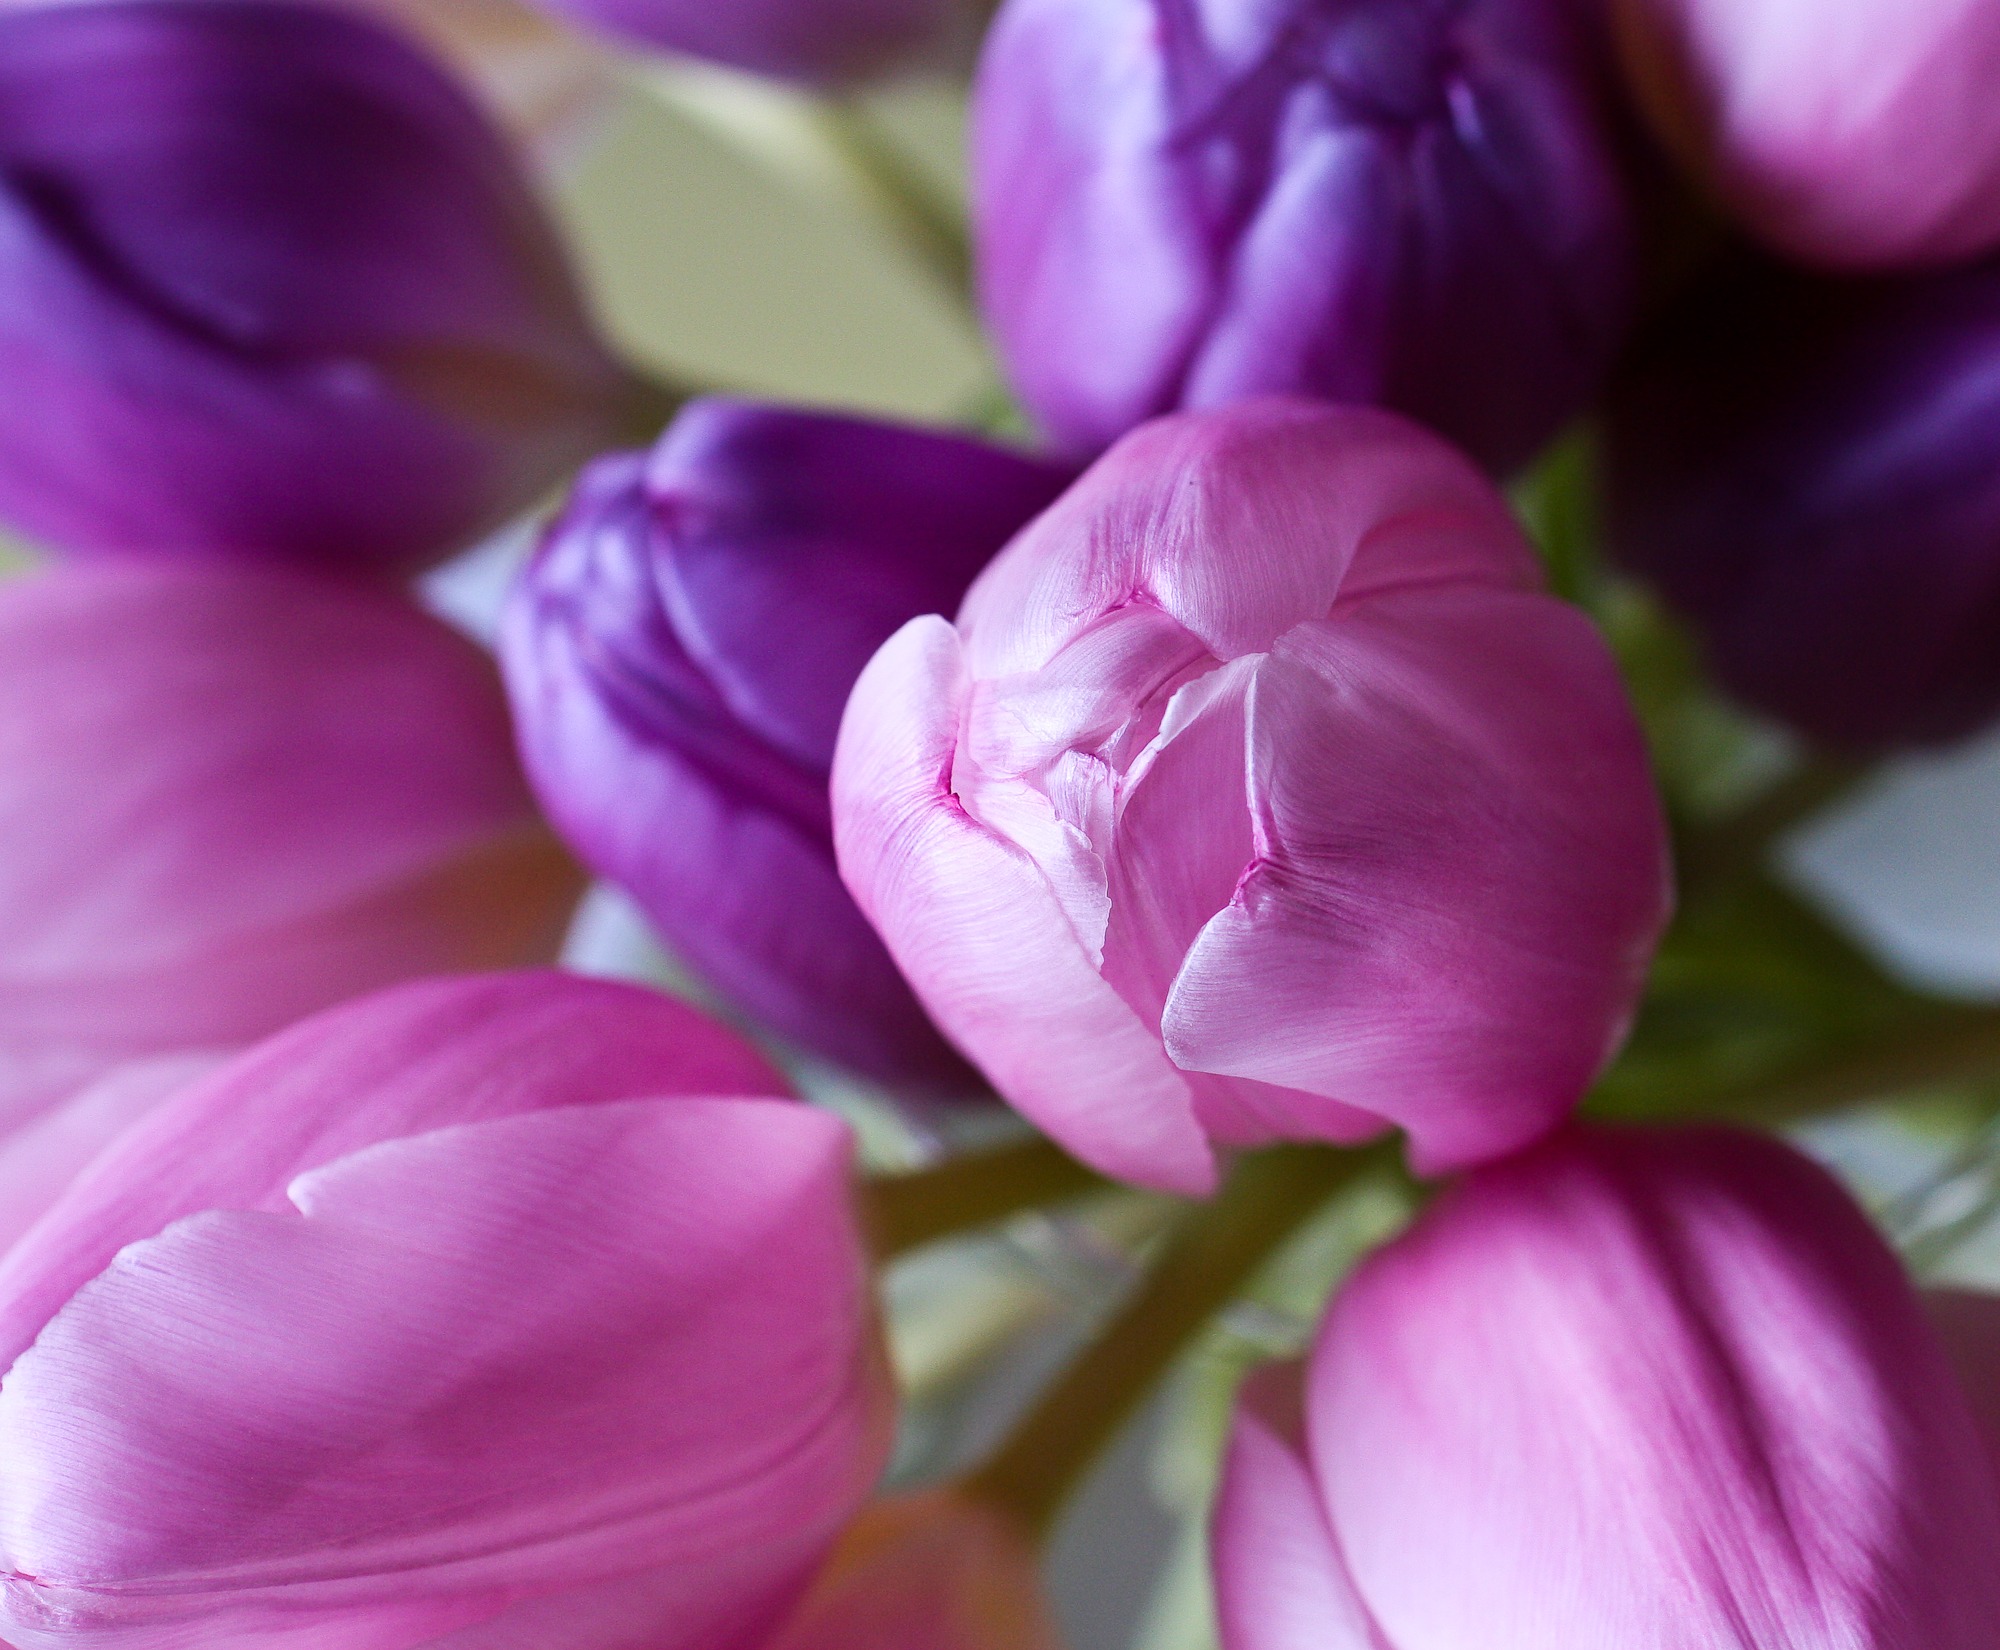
{"x":1661,"y":1388}
{"x":929,"y":1572}
{"x":1240,"y":523}
{"x":229,"y":797}
{"x":981,"y":936}
{"x":483,"y":1363}
{"x":418,"y":1057}
{"x":1458,"y":877}
{"x":1280,"y":1582}
{"x":39,"y":1160}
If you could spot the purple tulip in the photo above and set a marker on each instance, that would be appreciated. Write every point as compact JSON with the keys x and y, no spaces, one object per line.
{"x":1404,"y":202}
{"x":679,"y":656}
{"x":1810,"y":469}
{"x":271,"y":286}
{"x":810,"y":40}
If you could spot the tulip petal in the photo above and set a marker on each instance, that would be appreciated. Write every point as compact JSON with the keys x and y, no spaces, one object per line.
{"x":798,"y":542}
{"x":979,"y":932}
{"x":419,"y":1057}
{"x":1448,"y":915}
{"x":1651,"y":1388}
{"x":495,"y":1359}
{"x":39,"y":1160}
{"x":230,"y":798}
{"x":1240,"y":524}
{"x":350,"y":338}
{"x":1280,"y":1582}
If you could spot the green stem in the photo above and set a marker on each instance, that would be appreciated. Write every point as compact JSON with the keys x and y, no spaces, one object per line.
{"x":907,"y":1211}
{"x":1207,"y":1263}
{"x":1948,"y":1046}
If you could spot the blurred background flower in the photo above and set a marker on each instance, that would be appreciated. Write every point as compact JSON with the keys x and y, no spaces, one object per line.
{"x":1415,"y":203}
{"x":1810,"y":469}
{"x":272,"y":286}
{"x":230,"y":797}
{"x":1855,"y":133}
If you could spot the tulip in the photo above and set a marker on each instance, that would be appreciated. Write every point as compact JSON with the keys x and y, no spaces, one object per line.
{"x":808,"y":40}
{"x":270,"y":286}
{"x":230,"y":797}
{"x":927,"y":1572}
{"x":679,"y":654}
{"x":1261,"y":793}
{"x":513,"y":1310}
{"x":1413,"y":203}
{"x":1810,"y":470}
{"x":1628,"y":1389}
{"x":1855,"y":133}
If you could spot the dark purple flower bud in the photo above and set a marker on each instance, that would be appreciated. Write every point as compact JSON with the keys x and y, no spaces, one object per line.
{"x":810,"y":40}
{"x":1810,"y":470}
{"x":1414,"y":203}
{"x":680,"y":652}
{"x":271,"y":286}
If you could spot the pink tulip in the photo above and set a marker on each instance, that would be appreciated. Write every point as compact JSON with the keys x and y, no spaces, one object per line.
{"x":1630,"y":1388}
{"x":1857,"y":133}
{"x":509,"y":1311}
{"x":229,"y":798}
{"x":1260,"y":793}
{"x":928,"y":1572}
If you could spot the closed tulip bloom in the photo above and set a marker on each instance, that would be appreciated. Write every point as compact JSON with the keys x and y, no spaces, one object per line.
{"x":1855,"y":133}
{"x":1810,"y":470}
{"x":1412,"y":203}
{"x":925,"y":1572}
{"x":679,"y":654}
{"x":1629,"y":1389}
{"x":1261,"y":793}
{"x":230,"y":797}
{"x":514,"y":1310}
{"x":809,"y":40}
{"x":270,"y":286}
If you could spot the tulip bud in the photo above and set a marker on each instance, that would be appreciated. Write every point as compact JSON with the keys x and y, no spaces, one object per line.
{"x":1405,"y":202}
{"x":1630,"y":1388}
{"x":1848,"y":132}
{"x":809,"y":40}
{"x":1810,"y":469}
{"x":506,"y":1310}
{"x":928,"y":1572}
{"x":679,"y":654}
{"x":229,"y":797}
{"x":270,"y":286}
{"x":1261,"y":793}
